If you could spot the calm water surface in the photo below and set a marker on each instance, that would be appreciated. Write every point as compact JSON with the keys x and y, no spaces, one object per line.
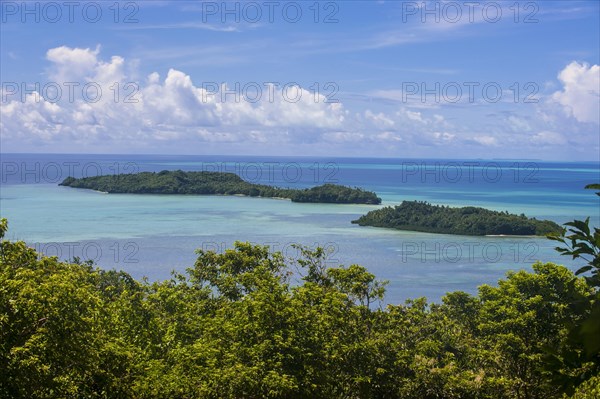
{"x":150,"y":235}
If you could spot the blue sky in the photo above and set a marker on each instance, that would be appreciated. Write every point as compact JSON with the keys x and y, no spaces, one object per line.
{"x":450,"y":79}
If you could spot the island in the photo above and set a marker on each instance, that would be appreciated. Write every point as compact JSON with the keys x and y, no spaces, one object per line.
{"x":474,"y":221}
{"x":217,"y":183}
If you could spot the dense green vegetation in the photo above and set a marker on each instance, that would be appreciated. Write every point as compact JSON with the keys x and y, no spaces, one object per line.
{"x":180,"y":182}
{"x":235,"y":327}
{"x":422,"y":216}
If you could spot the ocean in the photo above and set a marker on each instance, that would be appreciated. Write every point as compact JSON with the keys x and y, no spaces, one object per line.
{"x":152,"y":235}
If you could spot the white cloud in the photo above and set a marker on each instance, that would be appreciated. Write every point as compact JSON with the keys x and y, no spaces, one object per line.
{"x":179,"y":113}
{"x":487,"y":141}
{"x":518,"y":124}
{"x":388,"y":136}
{"x":71,"y":64}
{"x":169,"y":109}
{"x":379,"y":119}
{"x":580,"y":96}
{"x":444,"y":136}
{"x":414,"y":116}
{"x":548,"y":138}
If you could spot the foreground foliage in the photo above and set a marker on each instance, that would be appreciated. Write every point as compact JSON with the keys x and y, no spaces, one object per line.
{"x":235,"y":326}
{"x":570,"y":365}
{"x":205,"y":183}
{"x":422,"y":216}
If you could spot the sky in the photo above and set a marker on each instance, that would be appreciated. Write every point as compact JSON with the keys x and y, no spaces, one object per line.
{"x":411,"y":79}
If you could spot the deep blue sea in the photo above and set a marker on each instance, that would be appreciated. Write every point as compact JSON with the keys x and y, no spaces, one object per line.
{"x":151,"y":235}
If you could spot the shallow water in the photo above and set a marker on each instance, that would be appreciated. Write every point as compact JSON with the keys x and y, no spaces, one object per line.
{"x":150,"y":235}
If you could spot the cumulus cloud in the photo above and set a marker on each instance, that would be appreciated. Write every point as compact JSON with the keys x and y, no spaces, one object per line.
{"x":580,"y":95}
{"x":518,"y":124}
{"x":177,"y":112}
{"x":71,"y":63}
{"x":97,"y":100}
{"x":414,"y":116}
{"x":486,"y":140}
{"x":379,"y":119}
{"x":548,"y":138}
{"x":444,"y":136}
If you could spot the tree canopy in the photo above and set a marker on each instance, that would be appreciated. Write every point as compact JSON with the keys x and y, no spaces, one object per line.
{"x":422,"y":216}
{"x":234,"y":326}
{"x":205,"y":183}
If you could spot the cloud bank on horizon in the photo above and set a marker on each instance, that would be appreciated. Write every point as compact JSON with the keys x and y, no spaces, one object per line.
{"x":91,"y":101}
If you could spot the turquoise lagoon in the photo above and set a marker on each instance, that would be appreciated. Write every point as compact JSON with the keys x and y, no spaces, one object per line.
{"x":151,"y":235}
